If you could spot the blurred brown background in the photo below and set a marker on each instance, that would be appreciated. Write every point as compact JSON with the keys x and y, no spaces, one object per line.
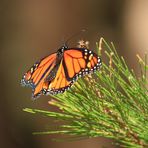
{"x":31,"y":29}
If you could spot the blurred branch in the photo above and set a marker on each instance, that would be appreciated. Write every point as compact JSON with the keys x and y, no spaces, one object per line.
{"x":111,"y":103}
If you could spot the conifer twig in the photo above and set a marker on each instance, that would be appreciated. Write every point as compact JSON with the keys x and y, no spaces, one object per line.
{"x":112,"y":103}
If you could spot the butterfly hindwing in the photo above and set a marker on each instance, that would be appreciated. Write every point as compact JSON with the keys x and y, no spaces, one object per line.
{"x":59,"y":84}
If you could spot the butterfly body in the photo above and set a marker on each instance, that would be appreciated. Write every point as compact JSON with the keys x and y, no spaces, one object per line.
{"x":53,"y":72}
{"x":58,"y":71}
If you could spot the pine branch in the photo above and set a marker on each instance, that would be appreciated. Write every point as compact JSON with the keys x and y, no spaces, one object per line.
{"x":111,"y":103}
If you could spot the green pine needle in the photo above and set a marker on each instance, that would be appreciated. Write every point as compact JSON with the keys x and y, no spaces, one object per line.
{"x":111,"y":103}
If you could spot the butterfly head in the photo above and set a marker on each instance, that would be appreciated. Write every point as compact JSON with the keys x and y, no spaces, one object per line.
{"x":61,"y":50}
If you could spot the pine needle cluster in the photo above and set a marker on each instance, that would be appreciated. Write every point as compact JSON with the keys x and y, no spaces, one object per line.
{"x":111,"y":103}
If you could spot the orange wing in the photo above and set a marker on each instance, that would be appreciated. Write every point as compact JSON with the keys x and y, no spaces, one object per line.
{"x":37,"y":75}
{"x":59,"y":84}
{"x":75,"y":63}
{"x":80,"y":61}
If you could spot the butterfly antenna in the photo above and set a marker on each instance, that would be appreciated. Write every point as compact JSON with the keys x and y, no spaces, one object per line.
{"x":76,"y":34}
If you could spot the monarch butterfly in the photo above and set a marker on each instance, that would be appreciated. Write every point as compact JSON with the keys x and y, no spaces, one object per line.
{"x":57,"y":72}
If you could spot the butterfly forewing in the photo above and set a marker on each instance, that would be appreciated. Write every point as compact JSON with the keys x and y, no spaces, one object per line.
{"x":80,"y":61}
{"x":37,"y":74}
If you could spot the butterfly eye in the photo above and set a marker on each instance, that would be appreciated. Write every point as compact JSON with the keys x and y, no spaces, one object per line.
{"x":61,"y":50}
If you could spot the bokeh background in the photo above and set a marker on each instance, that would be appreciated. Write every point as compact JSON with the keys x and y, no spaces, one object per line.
{"x":31,"y":29}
